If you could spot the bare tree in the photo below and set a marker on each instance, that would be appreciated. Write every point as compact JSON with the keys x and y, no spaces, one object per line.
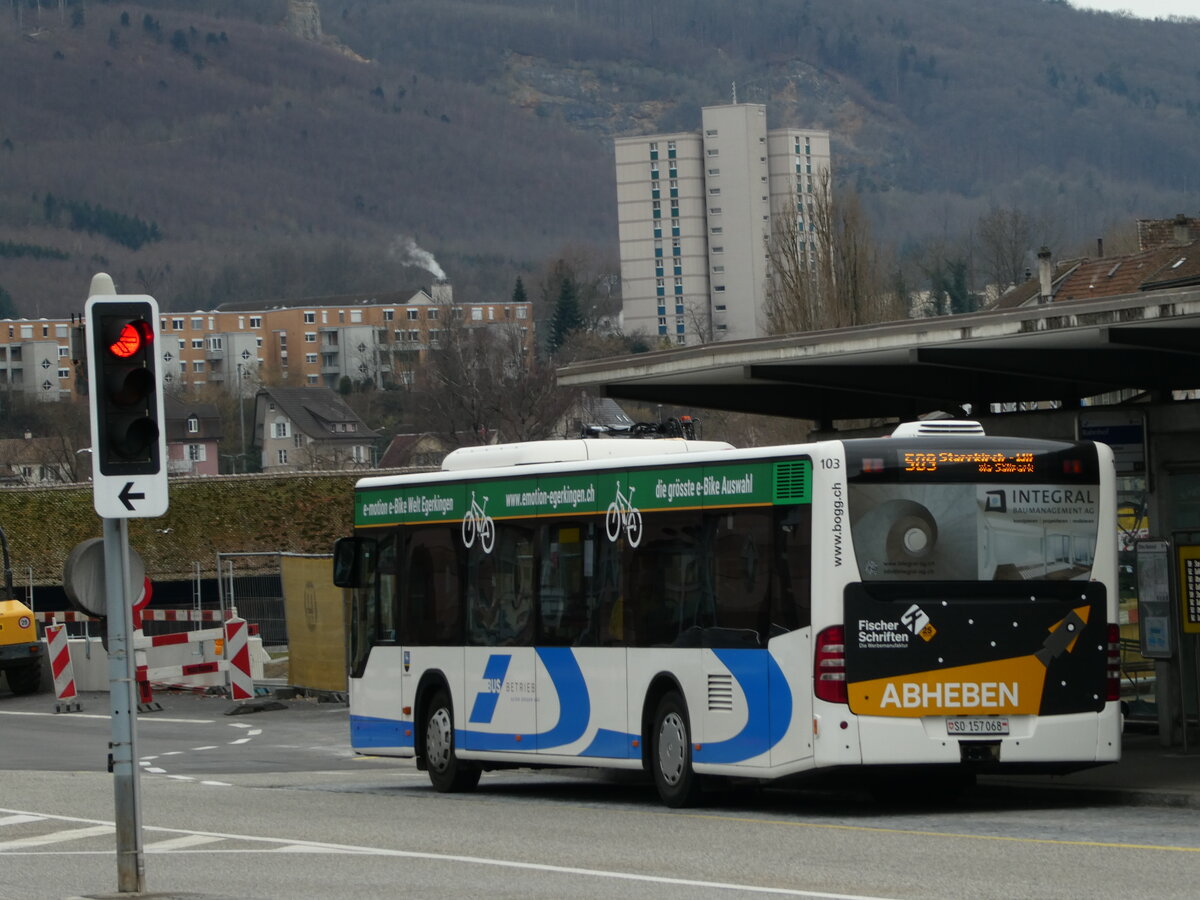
{"x":825,"y":269}
{"x":485,"y":383}
{"x":1005,"y":236}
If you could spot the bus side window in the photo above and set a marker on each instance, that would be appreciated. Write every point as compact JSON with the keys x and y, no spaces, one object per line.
{"x":431,"y":603}
{"x":741,"y":554}
{"x":500,"y":589}
{"x":385,"y":583}
{"x":364,"y":611}
{"x":562,"y":586}
{"x":791,"y":601}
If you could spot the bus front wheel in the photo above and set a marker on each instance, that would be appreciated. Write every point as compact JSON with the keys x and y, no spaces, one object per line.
{"x":447,"y":772}
{"x":671,"y":754}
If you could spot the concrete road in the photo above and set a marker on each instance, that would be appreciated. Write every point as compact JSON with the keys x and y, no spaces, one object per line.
{"x":273,"y":805}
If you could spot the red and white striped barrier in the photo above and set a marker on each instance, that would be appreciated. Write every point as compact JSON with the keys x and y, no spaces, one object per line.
{"x":148,"y":615}
{"x":60,"y":665}
{"x":236,"y":662}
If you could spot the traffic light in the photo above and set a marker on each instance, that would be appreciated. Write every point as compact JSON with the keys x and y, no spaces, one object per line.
{"x":125,"y":395}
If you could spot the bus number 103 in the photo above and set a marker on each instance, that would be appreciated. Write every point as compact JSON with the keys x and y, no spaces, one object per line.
{"x":920,"y":462}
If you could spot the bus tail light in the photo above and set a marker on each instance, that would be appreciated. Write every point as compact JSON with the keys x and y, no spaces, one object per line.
{"x":829,"y":665}
{"x":1113,"y":686}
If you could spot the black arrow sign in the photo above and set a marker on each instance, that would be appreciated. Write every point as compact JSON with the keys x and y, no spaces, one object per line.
{"x":127,"y":495}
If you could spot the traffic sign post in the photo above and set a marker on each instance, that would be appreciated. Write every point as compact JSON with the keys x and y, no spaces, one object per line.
{"x":129,"y":444}
{"x":129,"y":480}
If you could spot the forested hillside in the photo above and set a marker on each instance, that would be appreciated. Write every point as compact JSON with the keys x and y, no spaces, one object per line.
{"x":235,"y":149}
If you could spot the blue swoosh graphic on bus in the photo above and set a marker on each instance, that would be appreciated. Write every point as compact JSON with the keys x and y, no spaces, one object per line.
{"x":485,"y":701}
{"x":574,"y":705}
{"x":768,"y":702}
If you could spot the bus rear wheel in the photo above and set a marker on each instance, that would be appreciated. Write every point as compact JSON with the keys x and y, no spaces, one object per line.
{"x":671,"y":754}
{"x":447,"y":772}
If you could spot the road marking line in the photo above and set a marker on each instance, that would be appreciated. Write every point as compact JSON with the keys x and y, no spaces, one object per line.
{"x":209,"y":747}
{"x":56,"y":837}
{"x":19,"y":820}
{"x":241,"y":741}
{"x":141,"y":720}
{"x":186,"y":840}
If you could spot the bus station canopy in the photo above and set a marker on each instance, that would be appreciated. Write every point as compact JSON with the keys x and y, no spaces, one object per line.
{"x":1061,"y":351}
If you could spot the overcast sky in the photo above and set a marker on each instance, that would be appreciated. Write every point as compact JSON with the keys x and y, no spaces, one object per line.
{"x":1146,"y":9}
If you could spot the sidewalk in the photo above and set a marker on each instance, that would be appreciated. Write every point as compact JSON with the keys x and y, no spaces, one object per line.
{"x":1148,"y":774}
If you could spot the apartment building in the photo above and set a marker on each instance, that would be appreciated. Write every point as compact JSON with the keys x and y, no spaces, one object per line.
{"x":382,"y":338}
{"x":695,"y":212}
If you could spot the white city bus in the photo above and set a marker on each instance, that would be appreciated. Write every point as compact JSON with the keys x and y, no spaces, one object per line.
{"x":690,"y":609}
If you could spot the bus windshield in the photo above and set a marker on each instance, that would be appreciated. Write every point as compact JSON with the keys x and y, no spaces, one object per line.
{"x":957,"y":510}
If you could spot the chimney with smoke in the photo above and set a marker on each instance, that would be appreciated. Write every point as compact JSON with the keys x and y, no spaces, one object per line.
{"x":442,"y":293}
{"x":1045,"y":276}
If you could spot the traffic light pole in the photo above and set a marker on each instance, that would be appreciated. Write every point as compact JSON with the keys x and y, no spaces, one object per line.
{"x":122,"y":686}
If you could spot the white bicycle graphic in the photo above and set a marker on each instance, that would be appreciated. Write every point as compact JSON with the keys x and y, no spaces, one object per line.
{"x":623,"y":514}
{"x":477,"y":522}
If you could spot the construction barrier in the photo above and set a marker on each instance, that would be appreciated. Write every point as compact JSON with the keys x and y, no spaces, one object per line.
{"x":64,"y":674}
{"x":236,"y":663}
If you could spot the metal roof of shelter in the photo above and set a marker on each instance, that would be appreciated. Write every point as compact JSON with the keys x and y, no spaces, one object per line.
{"x":1061,"y":351}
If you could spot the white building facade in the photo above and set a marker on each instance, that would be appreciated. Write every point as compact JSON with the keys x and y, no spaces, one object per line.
{"x":695,"y":212}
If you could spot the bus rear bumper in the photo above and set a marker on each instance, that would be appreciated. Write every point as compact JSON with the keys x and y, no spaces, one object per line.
{"x":1074,"y":740}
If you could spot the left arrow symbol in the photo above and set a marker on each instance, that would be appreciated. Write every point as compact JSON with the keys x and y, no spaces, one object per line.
{"x":128,"y":495}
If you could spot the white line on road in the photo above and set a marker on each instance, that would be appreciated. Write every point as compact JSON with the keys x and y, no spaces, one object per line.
{"x":292,"y":846}
{"x":56,"y":837}
{"x":186,"y":840}
{"x":19,"y":820}
{"x":69,"y":716}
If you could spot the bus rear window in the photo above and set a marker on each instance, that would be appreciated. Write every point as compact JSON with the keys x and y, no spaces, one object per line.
{"x":949,"y":512}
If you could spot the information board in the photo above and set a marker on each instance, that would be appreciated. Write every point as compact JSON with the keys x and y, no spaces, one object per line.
{"x":1154,"y":599}
{"x":1188,"y":565}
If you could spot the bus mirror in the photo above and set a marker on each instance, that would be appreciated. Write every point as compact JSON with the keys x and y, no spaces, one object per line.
{"x":348,"y":556}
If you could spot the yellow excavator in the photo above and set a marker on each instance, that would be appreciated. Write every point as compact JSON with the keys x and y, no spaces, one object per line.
{"x":20,"y":650}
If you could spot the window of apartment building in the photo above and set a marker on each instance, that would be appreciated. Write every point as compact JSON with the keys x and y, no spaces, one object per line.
{"x":476,"y":314}
{"x":281,"y":457}
{"x":413,"y":314}
{"x":197,"y":344}
{"x":310,"y":337}
{"x":64,"y":373}
{"x":279,"y":428}
{"x":655,"y":193}
{"x":355,"y":316}
{"x":657,"y":230}
{"x":716,"y":229}
{"x":714,"y":191}
{"x":60,"y":331}
{"x":674,"y":185}
{"x":434,"y":335}
{"x":196,"y":452}
{"x":216,"y":342}
{"x":721,"y":326}
{"x":177,"y":324}
{"x":241,"y":323}
{"x":674,"y":228}
{"x":27,"y":332}
{"x":718,"y":269}
{"x":258,"y":341}
{"x":654,"y":172}
{"x":714,"y":172}
{"x":359,"y":453}
{"x":674,"y":246}
{"x":522,"y":312}
{"x":182,"y":367}
{"x":658,"y":270}
{"x":313,"y":379}
{"x":389,"y":315}
{"x":198,"y":366}
{"x":45,"y":331}
{"x":712,"y":132}
{"x":718,"y":288}
{"x":431,"y":313}
{"x":310,"y":317}
{"x":63,"y":352}
{"x":674,"y":211}
{"x":491,"y":313}
{"x":198,"y":323}
{"x":256,"y":321}
{"x":193,"y":425}
{"x":720,"y":307}
{"x":714,"y":210}
{"x":297,"y":440}
{"x":712,"y":151}
{"x":508,"y":312}
{"x":414,"y":335}
{"x":310,"y":358}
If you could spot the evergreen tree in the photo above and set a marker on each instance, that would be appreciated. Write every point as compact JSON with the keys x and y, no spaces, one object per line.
{"x":518,"y":294}
{"x":567,"y":318}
